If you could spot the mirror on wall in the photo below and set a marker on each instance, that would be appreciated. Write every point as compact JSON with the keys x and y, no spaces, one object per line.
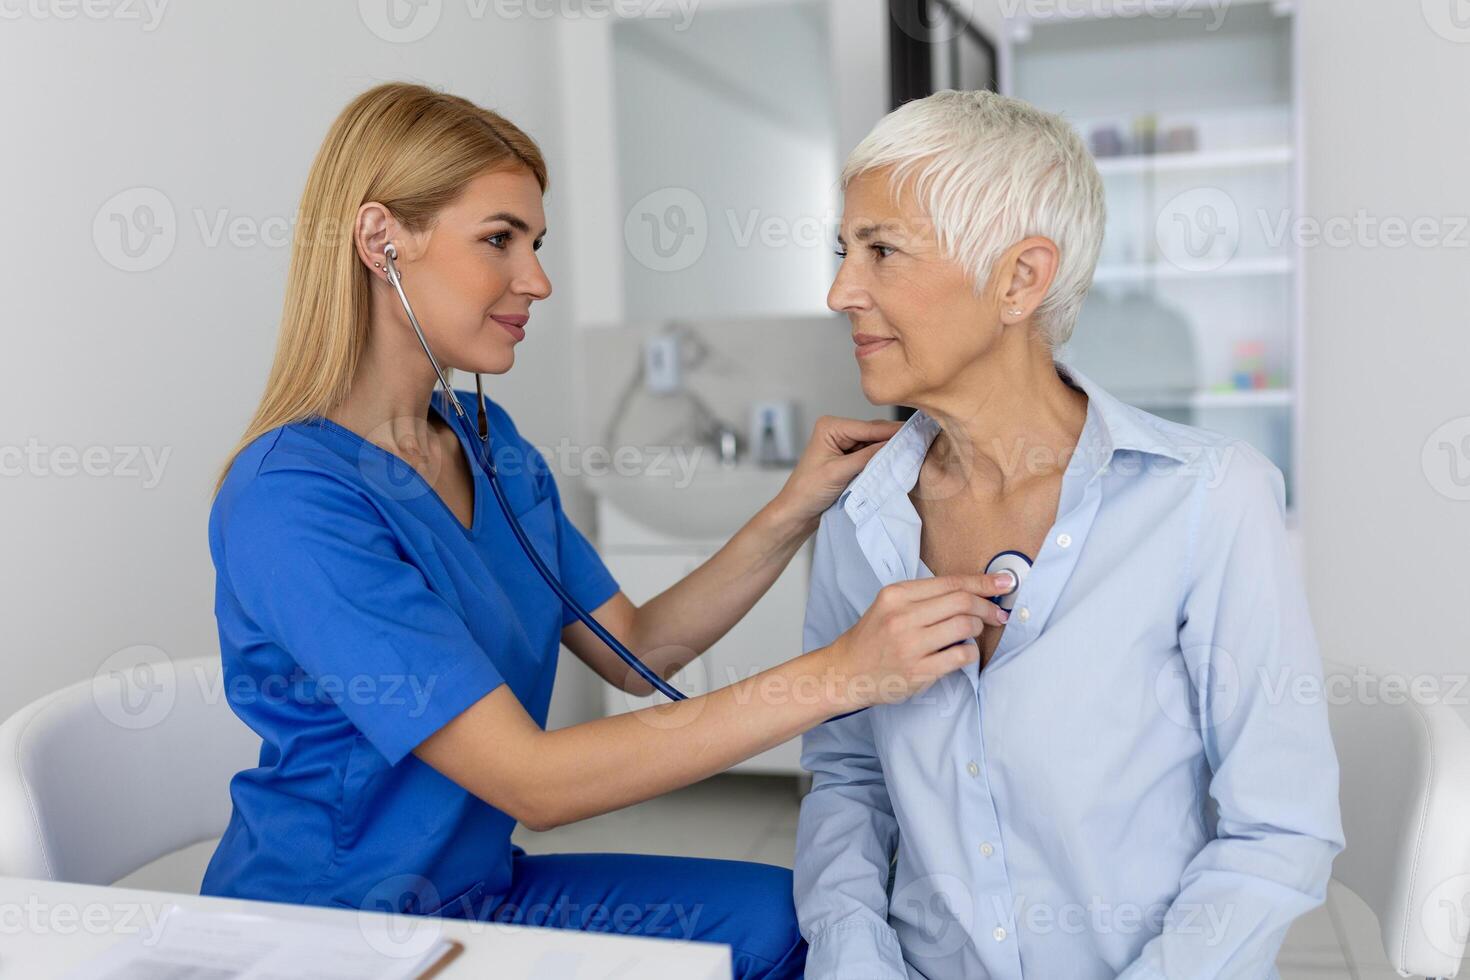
{"x":727,"y":160}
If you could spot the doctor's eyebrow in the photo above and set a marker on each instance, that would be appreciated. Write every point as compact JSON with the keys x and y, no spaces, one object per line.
{"x":517,"y":223}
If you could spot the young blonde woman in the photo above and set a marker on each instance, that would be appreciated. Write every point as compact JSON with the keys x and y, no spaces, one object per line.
{"x":395,"y":649}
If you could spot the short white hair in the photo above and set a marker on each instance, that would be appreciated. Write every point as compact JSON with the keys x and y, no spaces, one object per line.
{"x":989,"y":171}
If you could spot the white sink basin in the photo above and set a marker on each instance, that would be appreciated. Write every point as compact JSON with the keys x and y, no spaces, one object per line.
{"x":705,"y":501}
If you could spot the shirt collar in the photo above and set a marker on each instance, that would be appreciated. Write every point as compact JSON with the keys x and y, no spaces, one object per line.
{"x":1111,"y":427}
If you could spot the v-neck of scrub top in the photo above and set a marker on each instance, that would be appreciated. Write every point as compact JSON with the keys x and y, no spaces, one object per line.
{"x":478,"y":481}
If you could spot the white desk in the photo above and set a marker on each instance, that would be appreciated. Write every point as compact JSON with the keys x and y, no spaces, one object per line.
{"x":48,"y":927}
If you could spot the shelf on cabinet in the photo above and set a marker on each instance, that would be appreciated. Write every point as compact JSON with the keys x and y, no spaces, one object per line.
{"x":1143,"y":271}
{"x":1152,"y":163}
{"x":1208,"y":398}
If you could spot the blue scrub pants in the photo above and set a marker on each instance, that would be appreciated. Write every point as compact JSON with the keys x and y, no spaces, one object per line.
{"x":743,"y":905}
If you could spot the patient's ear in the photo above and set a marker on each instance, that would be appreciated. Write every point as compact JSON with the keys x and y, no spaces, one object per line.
{"x":1032,"y":265}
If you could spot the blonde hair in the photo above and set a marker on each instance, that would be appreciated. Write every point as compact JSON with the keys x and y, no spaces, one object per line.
{"x":989,"y":171}
{"x":411,"y":149}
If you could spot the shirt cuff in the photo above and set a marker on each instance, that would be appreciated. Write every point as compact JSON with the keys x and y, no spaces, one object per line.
{"x":855,"y":951}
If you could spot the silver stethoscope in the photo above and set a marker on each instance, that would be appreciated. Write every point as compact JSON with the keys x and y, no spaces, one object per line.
{"x":1012,"y":561}
{"x":1018,"y":565}
{"x":390,"y":254}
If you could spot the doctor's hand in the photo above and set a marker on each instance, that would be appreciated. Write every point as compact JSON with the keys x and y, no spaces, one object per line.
{"x":838,"y":451}
{"x":913,"y":634}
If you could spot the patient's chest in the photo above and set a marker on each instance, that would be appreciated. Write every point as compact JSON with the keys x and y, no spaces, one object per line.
{"x":961,"y":531}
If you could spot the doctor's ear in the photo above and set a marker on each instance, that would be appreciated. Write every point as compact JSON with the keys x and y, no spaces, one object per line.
{"x":374,"y":231}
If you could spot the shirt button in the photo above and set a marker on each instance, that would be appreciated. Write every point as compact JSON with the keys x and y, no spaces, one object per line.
{"x":1023,"y":614}
{"x":987,"y":849}
{"x":1065,"y":540}
{"x":999,"y":934}
{"x":973,"y":769}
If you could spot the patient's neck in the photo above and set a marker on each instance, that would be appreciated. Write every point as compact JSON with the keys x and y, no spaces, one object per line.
{"x":1007,"y":421}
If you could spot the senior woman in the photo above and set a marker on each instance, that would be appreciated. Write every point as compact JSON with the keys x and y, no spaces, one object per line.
{"x":1117,"y":786}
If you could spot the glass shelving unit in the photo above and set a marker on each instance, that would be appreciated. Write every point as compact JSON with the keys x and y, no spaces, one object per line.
{"x":1192,"y":115}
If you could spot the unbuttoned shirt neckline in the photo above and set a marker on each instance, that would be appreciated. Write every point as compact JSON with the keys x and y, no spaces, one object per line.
{"x":887,"y":525}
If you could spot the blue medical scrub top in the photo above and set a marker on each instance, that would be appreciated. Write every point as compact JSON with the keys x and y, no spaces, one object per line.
{"x":357,"y":616}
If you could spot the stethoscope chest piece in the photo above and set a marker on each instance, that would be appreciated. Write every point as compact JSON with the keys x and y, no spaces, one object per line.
{"x":1015,"y":563}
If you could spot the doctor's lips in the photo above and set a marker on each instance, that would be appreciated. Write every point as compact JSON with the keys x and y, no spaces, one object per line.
{"x":514,"y":323}
{"x":868,"y":344}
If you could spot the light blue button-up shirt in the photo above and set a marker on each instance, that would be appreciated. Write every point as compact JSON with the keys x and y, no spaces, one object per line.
{"x":1138,"y":784}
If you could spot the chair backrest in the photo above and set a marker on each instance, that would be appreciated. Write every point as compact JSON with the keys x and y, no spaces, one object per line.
{"x":105,"y":776}
{"x":1406,"y":817}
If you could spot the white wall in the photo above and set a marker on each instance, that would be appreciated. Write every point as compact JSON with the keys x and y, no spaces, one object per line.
{"x":220,"y":108}
{"x":1388,"y":338}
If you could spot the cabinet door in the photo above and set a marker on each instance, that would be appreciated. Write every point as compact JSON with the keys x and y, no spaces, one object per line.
{"x":769,"y":635}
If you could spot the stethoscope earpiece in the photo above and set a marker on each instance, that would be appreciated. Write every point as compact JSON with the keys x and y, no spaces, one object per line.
{"x":390,"y":256}
{"x":1018,"y":565}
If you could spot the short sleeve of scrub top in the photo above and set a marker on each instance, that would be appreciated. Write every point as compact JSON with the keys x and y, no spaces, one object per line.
{"x":357,"y":616}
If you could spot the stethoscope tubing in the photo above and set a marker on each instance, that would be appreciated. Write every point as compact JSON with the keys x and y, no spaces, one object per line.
{"x":487,"y":464}
{"x":600,"y":631}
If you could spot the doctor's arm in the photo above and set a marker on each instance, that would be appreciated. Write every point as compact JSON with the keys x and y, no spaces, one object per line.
{"x":1248,"y":646}
{"x":496,"y":751}
{"x":315,"y":570}
{"x":682,"y":622}
{"x":846,"y":832}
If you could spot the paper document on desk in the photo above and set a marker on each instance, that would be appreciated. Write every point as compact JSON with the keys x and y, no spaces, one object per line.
{"x":191,"y":945}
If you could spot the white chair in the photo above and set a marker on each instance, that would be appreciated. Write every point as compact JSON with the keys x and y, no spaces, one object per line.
{"x":1406,"y":818}
{"x":108,"y":775}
